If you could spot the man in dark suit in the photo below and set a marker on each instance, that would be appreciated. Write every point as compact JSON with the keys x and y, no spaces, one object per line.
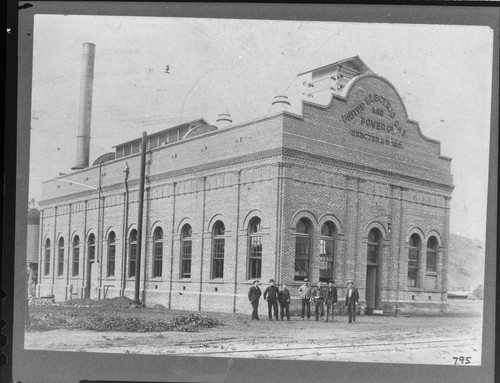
{"x":351,"y":299}
{"x":253,"y":296}
{"x":271,"y":295}
{"x":318,"y":296}
{"x":331,"y":299}
{"x":284,"y":299}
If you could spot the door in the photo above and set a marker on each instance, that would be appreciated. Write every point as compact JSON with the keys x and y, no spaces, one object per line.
{"x":92,"y":286}
{"x":371,"y":288}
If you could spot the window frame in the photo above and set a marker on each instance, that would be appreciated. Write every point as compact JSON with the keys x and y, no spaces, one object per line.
{"x":327,"y":259}
{"x":186,"y":242}
{"x":132,"y":258}
{"x":432,"y":254}
{"x":306,"y":238}
{"x":111,"y":250}
{"x":414,"y":261}
{"x":254,"y":249}
{"x":91,"y":246}
{"x":75,"y":268}
{"x":218,"y":250}
{"x":157,"y":253}
{"x":46,"y":263}
{"x":60,"y":257}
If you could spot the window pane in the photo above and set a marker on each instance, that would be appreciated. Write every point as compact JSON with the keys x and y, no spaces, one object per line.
{"x":60,"y":258}
{"x":302,"y":254}
{"x":111,"y":255}
{"x":431,"y":260}
{"x":133,"y":253}
{"x":46,"y":270}
{"x":255,"y":257}
{"x":186,"y":250}
{"x":76,"y":256}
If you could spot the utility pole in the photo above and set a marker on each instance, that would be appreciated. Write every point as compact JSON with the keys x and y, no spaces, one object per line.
{"x":139,"y":220}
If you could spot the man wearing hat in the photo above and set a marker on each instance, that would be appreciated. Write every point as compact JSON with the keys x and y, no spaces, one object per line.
{"x":319,"y":295}
{"x":305,"y":297}
{"x":351,"y":298}
{"x":284,"y":298}
{"x":271,"y":295}
{"x":331,"y":298}
{"x":253,"y":296}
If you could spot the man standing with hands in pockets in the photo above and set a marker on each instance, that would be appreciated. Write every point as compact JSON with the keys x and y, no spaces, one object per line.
{"x":253,"y":296}
{"x":331,"y":299}
{"x":271,"y":295}
{"x":351,"y":298}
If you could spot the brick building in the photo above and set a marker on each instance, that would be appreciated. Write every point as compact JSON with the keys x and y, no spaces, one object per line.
{"x":349,"y":188}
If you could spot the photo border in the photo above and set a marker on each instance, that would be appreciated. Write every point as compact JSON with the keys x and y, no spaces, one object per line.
{"x":31,"y":366}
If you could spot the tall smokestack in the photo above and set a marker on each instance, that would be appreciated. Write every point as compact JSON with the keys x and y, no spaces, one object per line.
{"x":86,"y":83}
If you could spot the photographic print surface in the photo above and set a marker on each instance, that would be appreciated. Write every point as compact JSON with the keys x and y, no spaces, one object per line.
{"x":308,"y":191}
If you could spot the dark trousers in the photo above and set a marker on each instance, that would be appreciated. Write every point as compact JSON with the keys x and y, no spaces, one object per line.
{"x":285,"y":307}
{"x":351,"y":311}
{"x":272,"y":305}
{"x":255,"y":310}
{"x":306,"y":303}
{"x":329,"y":306}
{"x":319,"y":309}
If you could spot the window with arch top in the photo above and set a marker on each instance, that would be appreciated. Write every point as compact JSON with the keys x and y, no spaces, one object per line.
{"x":132,"y":262}
{"x":327,"y":251}
{"x":413,"y":260}
{"x":111,"y":254}
{"x":254,"y":249}
{"x":157,"y":252}
{"x":186,"y":250}
{"x":60,"y":257}
{"x":373,"y":253}
{"x":46,"y":263}
{"x":432,"y":245}
{"x":303,"y":236}
{"x":76,"y":256}
{"x":218,"y":244}
{"x":91,"y":247}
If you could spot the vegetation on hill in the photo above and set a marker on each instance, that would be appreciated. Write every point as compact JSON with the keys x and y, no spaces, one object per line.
{"x":465,"y":263}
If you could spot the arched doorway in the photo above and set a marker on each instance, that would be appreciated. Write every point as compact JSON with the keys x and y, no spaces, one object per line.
{"x":372,"y":270}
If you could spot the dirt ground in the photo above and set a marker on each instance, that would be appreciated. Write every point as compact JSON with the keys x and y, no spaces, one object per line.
{"x":395,"y":339}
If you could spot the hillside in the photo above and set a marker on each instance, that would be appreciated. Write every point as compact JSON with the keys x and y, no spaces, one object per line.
{"x":465,"y":263}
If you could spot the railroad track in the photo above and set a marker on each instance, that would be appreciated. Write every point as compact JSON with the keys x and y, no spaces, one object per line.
{"x":290,"y":352}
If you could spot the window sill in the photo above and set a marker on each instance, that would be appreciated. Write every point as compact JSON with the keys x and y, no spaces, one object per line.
{"x":431,"y":273}
{"x":415,"y":288}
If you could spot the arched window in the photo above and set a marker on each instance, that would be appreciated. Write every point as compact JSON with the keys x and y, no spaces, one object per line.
{"x":432,"y":245}
{"x":302,"y":249}
{"x":60,"y":257}
{"x":91,"y":245}
{"x":132,"y":242}
{"x":373,"y":252}
{"x":327,"y":251}
{"x":413,"y":260}
{"x":111,"y":254}
{"x":218,"y":243}
{"x":254,"y":249}
{"x":76,"y":256}
{"x":186,"y":251}
{"x":46,"y":267}
{"x":157,"y":252}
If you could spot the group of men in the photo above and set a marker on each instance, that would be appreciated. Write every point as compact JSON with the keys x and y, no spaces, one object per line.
{"x":320,"y":295}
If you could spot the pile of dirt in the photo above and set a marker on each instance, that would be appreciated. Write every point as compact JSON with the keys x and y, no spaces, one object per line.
{"x":42,"y":301}
{"x":112,"y":303}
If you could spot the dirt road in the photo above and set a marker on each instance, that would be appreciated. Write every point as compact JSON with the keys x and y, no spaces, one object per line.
{"x":427,"y":340}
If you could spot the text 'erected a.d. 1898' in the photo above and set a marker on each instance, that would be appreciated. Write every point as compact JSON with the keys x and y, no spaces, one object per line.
{"x":378,"y":107}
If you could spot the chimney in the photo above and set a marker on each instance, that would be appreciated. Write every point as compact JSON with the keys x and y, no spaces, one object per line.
{"x":223,"y":120}
{"x":84,"y":115}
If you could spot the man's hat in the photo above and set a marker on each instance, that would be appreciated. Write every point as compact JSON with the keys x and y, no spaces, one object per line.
{"x":256,"y":281}
{"x":349,"y":281}
{"x":272,"y":280}
{"x":330,"y":281}
{"x":306,"y":280}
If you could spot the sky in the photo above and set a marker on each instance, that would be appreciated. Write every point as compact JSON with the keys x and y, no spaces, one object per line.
{"x":443,"y":74}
